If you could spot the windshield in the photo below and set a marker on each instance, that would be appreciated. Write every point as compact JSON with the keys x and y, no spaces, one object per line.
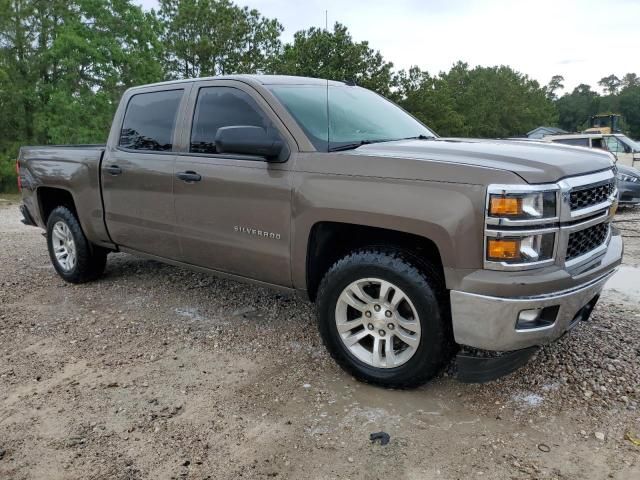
{"x":356,"y":115}
{"x":626,"y":140}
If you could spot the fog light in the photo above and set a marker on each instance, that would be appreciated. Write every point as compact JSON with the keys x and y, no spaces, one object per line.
{"x":522,"y":249}
{"x":508,"y":249}
{"x":537,"y":318}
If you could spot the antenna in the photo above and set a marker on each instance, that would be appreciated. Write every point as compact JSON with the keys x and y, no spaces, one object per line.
{"x":326,"y":28}
{"x":328,"y":119}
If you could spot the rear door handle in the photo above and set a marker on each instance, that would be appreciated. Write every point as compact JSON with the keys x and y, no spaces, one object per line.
{"x":114,"y":170}
{"x":189,"y":176}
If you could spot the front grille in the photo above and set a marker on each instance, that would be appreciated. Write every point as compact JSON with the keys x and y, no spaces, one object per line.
{"x":584,"y":241}
{"x":590,"y":195}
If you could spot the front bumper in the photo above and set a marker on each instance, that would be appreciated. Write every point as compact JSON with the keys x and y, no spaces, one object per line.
{"x":489,"y":322}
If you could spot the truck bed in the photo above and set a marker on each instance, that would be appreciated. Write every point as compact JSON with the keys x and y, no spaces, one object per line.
{"x":73,"y":169}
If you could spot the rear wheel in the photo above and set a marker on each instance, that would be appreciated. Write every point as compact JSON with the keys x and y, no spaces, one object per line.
{"x":75,"y":259}
{"x":383,"y":319}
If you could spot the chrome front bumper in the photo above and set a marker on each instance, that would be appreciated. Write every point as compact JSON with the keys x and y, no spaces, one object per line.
{"x":489,"y":323}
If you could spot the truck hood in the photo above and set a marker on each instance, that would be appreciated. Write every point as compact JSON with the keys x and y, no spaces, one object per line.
{"x":535,"y":162}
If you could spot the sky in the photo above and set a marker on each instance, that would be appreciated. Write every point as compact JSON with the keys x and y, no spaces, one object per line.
{"x":582,"y":40}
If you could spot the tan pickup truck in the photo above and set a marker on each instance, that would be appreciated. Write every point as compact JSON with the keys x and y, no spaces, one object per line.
{"x":413,"y":247}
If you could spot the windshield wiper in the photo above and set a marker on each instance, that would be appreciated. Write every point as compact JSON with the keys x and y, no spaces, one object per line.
{"x":354,"y":145}
{"x":418,"y":137}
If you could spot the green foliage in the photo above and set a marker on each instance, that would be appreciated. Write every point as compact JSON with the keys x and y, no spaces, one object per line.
{"x":630,"y":80}
{"x":622,"y":96}
{"x":7,"y":173}
{"x":629,"y":100}
{"x":63,"y":67}
{"x":611,"y":84}
{"x":574,"y":109}
{"x":478,"y":102}
{"x":65,"y":63}
{"x":554,"y":85}
{"x":216,"y":37}
{"x":335,"y":56}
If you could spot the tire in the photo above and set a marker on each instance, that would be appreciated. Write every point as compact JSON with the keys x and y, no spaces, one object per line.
{"x":65,"y":234}
{"x":361,"y":271}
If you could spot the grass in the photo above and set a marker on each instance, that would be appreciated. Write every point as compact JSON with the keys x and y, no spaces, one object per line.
{"x":9,"y":198}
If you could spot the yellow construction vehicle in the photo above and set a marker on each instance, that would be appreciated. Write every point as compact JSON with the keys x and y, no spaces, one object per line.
{"x":604,"y":123}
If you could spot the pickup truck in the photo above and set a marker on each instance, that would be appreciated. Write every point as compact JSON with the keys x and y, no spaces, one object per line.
{"x":413,"y":247}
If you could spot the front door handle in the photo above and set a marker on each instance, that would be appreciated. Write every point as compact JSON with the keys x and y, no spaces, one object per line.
{"x":189,"y":176}
{"x":114,"y":170}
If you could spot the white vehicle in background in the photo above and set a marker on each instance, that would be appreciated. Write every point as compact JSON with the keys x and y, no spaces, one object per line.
{"x":625,"y":150}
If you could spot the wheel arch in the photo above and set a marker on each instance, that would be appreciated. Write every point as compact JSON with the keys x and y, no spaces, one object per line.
{"x":51,"y":197}
{"x":329,"y":241}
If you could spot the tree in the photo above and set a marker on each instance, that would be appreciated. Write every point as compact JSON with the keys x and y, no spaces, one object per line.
{"x":611,"y":84}
{"x":574,"y":109}
{"x":554,"y":85}
{"x":216,"y":37}
{"x":334,"y":55}
{"x":481,"y":102}
{"x":630,"y":108}
{"x":429,"y":99}
{"x":64,"y":65}
{"x":630,"y":80}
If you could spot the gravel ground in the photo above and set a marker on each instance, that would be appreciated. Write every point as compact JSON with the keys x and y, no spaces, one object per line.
{"x":159,"y":372}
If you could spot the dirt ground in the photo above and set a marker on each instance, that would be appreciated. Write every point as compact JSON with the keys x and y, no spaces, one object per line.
{"x":154,"y":372}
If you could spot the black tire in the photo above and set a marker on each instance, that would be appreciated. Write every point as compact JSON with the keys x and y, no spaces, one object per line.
{"x":425,"y":288}
{"x":90,"y":259}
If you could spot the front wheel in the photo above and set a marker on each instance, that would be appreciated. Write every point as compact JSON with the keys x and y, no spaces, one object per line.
{"x":75,"y":259}
{"x":383,"y":319}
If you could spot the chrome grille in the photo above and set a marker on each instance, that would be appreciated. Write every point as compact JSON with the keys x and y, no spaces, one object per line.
{"x":583,"y":241}
{"x":590,"y":195}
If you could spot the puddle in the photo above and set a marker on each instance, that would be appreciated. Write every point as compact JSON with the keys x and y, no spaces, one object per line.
{"x":352,"y":402}
{"x":626,"y":281}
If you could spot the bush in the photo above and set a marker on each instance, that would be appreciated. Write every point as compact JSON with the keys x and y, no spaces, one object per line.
{"x":8,"y":181}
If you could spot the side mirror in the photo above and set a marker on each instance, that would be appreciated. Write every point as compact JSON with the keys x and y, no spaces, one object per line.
{"x":251,"y":140}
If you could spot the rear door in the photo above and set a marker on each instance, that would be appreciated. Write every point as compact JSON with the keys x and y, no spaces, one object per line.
{"x":137,"y":172}
{"x":236,"y":216}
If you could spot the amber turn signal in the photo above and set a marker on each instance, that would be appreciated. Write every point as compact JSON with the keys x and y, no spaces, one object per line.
{"x":501,"y":206}
{"x":503,"y":249}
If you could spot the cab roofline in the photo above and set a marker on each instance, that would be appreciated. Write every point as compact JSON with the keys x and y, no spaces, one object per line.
{"x":252,"y":79}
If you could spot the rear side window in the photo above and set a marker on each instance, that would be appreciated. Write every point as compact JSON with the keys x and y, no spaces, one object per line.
{"x":580,"y":142}
{"x":218,"y":107}
{"x":150,"y":121}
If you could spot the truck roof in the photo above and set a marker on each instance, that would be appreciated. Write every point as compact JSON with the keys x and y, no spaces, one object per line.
{"x":259,"y":79}
{"x":574,"y":135}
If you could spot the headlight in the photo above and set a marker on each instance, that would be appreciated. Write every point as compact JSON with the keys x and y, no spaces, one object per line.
{"x":522,"y":206}
{"x":521,"y":226}
{"x":521,"y":249}
{"x":622,"y":177}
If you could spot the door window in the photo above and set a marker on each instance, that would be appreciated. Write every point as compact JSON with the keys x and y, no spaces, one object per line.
{"x":580,"y":142}
{"x":219,"y":107}
{"x":614,"y":145}
{"x":150,"y":121}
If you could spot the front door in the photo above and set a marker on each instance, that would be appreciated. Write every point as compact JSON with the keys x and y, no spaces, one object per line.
{"x":233,"y":211}
{"x":620,"y":150}
{"x":137,"y":175}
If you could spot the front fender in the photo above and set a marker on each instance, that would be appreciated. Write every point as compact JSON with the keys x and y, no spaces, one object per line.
{"x":449,"y":214}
